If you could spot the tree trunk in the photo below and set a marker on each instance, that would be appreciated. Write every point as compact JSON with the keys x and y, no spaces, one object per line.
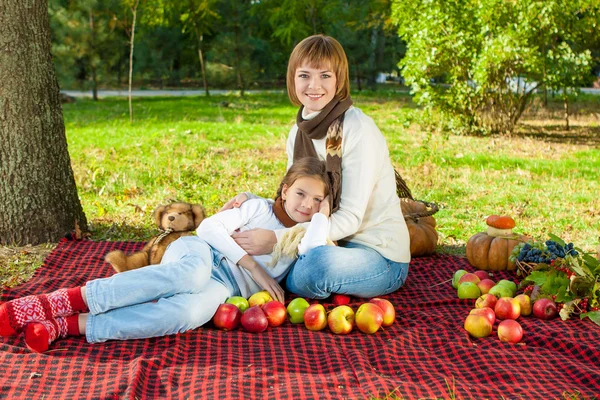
{"x":566,"y":105}
{"x":131,"y":47}
{"x":201,"y":57}
{"x":358,"y":81}
{"x":372,"y":77}
{"x":238,"y":58}
{"x":93,"y":56}
{"x":38,"y":196}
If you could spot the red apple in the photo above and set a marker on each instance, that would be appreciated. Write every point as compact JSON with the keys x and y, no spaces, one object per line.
{"x":525,"y":303}
{"x":486,"y":300}
{"x":254,"y":320}
{"x":341,"y":320}
{"x":507,"y":308}
{"x":469,"y":277}
{"x":482,"y":274}
{"x":478,"y":326}
{"x":340,"y":299}
{"x":389,"y":313}
{"x":486,"y":312}
{"x":227,"y":317}
{"x":275,"y":312}
{"x":259,"y":298}
{"x":510,"y":331}
{"x":368,"y":318}
{"x":485,"y":285}
{"x":545,"y":308}
{"x":315,"y":317}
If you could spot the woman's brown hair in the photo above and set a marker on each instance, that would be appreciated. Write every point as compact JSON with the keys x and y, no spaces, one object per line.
{"x":319,"y":51}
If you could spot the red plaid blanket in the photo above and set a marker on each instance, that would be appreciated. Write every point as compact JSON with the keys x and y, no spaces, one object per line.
{"x":426,"y":353}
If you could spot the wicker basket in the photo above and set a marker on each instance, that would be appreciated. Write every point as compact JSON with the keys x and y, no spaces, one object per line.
{"x":404,"y":193}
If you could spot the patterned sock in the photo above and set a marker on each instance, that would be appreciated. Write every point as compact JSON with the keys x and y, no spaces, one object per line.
{"x":15,"y":314}
{"x":39,"y":335}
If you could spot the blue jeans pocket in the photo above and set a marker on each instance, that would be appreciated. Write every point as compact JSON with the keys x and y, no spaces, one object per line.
{"x":397,"y":279}
{"x":222,"y":273}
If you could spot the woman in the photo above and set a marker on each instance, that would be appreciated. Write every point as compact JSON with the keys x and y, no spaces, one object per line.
{"x":373,"y":255}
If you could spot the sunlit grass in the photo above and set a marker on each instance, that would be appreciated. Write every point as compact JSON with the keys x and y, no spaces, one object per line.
{"x":206,"y":149}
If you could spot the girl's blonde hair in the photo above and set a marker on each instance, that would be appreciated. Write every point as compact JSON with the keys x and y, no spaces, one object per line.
{"x":306,"y":167}
{"x":319,"y":51}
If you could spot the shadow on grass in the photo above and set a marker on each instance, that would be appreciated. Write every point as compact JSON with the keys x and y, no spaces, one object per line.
{"x":121,"y":231}
{"x":578,"y":135}
{"x":452,"y":250}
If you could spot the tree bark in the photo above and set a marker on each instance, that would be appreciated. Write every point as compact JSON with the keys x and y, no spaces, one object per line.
{"x":38,"y":196}
{"x":201,"y":57}
{"x":92,"y":58}
{"x":131,"y":47}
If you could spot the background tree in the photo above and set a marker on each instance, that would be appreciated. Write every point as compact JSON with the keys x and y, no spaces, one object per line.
{"x":38,"y":196}
{"x":490,"y":56}
{"x":198,"y":18}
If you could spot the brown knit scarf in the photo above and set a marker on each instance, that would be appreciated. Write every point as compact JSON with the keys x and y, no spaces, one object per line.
{"x":329,"y":123}
{"x":281,"y":214}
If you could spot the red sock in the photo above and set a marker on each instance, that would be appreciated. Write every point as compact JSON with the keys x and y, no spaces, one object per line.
{"x":15,"y":314}
{"x":39,"y":335}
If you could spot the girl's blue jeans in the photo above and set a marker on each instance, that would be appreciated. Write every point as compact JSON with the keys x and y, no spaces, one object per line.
{"x":350,"y":269}
{"x":181,"y":293}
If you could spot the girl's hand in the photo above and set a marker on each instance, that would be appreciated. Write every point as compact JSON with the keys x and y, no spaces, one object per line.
{"x":325,"y":206}
{"x":236,"y":202}
{"x":256,"y":241}
{"x":269,"y":284}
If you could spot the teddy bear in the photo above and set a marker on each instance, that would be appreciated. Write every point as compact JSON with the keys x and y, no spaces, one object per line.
{"x":174,"y":220}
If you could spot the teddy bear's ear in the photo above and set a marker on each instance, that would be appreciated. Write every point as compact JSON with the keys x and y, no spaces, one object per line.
{"x":199,"y":214}
{"x":158,"y":213}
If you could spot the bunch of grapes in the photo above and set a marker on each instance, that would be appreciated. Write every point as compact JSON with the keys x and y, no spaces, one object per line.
{"x":539,"y":252}
{"x":533,"y":252}
{"x":558,"y":251}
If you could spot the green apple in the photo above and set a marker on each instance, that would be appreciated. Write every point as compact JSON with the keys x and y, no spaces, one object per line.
{"x":501,"y":291}
{"x":468,"y":290}
{"x":239,"y":302}
{"x":510,"y":284}
{"x":296,"y":310}
{"x":456,"y":277}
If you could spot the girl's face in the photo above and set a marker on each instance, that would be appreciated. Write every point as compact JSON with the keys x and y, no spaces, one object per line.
{"x":303,"y":198}
{"x":315,"y":87}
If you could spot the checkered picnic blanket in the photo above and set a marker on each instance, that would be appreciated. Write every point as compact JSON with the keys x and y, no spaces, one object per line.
{"x":425,"y":354}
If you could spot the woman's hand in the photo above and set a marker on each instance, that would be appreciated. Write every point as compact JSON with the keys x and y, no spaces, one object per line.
{"x":256,"y":242}
{"x":325,"y":206}
{"x":269,"y":284}
{"x":236,"y":202}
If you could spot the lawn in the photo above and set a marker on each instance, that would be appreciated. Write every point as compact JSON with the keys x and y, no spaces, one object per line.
{"x":206,"y":149}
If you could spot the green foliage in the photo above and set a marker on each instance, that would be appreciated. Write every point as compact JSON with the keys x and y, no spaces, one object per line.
{"x":480,"y":61}
{"x":245,"y":44}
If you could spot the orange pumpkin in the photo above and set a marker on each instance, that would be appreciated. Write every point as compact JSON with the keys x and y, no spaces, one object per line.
{"x":423,"y":236}
{"x":492,"y":253}
{"x":491,"y":250}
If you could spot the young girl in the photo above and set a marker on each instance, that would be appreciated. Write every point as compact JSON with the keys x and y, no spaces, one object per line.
{"x":196,"y":274}
{"x":374,"y":251}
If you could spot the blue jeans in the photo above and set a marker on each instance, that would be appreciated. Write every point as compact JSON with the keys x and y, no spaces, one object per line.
{"x":180,"y":294}
{"x":350,"y":269}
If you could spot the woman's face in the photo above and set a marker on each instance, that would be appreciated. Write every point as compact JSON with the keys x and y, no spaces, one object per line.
{"x":303,"y":198}
{"x":315,"y":87}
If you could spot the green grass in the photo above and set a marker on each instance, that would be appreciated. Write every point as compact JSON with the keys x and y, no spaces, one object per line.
{"x":199,"y":150}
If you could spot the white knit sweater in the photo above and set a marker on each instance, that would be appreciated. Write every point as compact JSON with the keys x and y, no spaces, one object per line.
{"x":369,"y":211}
{"x":257,"y":213}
